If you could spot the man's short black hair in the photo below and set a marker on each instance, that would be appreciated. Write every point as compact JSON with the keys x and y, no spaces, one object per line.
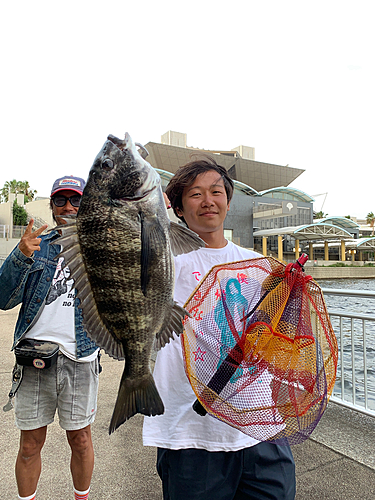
{"x":186,"y":175}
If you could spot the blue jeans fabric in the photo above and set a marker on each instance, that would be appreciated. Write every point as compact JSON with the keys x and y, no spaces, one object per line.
{"x":264,"y":471}
{"x":27,"y":280}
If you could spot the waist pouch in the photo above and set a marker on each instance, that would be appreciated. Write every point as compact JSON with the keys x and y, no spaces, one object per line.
{"x":37,"y":353}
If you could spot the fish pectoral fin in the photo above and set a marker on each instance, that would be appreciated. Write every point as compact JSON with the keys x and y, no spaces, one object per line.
{"x":183,"y":240}
{"x":152,"y":236}
{"x":136,"y":396}
{"x":172,"y":323}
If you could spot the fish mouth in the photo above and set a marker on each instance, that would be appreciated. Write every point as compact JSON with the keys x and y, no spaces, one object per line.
{"x":119,"y":143}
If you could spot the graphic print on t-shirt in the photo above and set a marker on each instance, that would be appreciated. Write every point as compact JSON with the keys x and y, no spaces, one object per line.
{"x":61,"y":284}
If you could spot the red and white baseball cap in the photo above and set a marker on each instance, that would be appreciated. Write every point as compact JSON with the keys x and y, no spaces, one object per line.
{"x":68,"y":182}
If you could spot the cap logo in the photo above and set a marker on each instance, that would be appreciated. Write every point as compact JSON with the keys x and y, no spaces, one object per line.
{"x":70,"y":182}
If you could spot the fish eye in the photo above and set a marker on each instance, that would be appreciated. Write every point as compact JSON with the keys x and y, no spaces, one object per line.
{"x":107,"y":165}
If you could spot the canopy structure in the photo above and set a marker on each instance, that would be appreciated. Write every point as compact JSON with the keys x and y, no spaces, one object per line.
{"x":367,"y":244}
{"x":343,"y":222}
{"x":338,"y":221}
{"x":287,"y":193}
{"x":354,"y":245}
{"x":310,"y":232}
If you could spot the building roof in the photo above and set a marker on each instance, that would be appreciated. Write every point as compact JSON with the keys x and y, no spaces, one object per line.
{"x":338,"y":221}
{"x":365,"y":243}
{"x":258,"y":175}
{"x":287,"y":193}
{"x":307,"y":232}
{"x":359,"y":243}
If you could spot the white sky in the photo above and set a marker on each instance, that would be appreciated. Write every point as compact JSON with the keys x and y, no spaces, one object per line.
{"x":294,"y":79}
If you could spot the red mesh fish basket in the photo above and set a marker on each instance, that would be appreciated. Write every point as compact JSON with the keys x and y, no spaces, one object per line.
{"x":259,"y":349}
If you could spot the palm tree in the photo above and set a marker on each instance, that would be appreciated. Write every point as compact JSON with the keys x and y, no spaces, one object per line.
{"x":320,"y":215}
{"x":9,"y":187}
{"x":370,"y":220}
{"x":24,"y":187}
{"x":17,"y":187}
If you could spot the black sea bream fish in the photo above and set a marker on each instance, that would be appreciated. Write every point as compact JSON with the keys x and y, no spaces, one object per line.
{"x":119,"y":250}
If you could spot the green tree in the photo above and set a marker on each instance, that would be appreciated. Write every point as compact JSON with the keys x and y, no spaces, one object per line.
{"x":370,"y":220}
{"x":17,"y":187}
{"x":9,"y":187}
{"x":320,"y":215}
{"x":24,"y":188}
{"x":19,"y":215}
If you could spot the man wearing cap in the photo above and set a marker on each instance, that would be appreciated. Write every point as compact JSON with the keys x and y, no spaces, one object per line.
{"x":31,"y":276}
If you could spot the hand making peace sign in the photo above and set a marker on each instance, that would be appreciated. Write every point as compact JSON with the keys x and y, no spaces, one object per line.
{"x":30,"y":241}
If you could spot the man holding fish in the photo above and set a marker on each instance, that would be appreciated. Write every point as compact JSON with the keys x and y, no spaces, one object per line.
{"x":34,"y":277}
{"x":202,"y":458}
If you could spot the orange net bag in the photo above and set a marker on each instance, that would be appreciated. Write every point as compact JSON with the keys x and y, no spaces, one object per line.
{"x":259,"y":349}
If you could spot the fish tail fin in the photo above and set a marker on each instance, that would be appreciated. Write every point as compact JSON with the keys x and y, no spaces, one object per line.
{"x":136,"y":396}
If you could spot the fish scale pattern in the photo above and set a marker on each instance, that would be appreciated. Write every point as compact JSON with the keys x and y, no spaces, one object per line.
{"x":119,"y":251}
{"x":259,"y":349}
{"x":114,"y":271}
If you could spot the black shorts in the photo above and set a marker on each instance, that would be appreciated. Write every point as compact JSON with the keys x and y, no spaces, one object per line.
{"x":264,"y":471}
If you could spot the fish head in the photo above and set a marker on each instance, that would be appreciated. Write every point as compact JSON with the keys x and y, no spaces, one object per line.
{"x":119,"y":172}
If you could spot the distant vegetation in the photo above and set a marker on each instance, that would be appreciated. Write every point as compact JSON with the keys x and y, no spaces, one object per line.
{"x":319,"y":215}
{"x":370,"y":219}
{"x":19,"y":215}
{"x":17,"y":187}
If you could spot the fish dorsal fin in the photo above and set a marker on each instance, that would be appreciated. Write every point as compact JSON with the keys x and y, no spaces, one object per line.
{"x":152,"y":236}
{"x":183,"y":240}
{"x":92,"y":322}
{"x":172,"y":323}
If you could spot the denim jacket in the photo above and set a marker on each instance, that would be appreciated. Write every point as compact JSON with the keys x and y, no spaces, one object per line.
{"x":27,"y":280}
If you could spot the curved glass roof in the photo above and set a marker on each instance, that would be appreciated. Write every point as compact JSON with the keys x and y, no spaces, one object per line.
{"x":287,"y":193}
{"x":338,"y":221}
{"x":363,"y":243}
{"x":308,"y":232}
{"x":240,"y":186}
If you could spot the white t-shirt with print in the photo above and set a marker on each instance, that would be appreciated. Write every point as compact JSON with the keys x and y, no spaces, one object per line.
{"x":180,"y":426}
{"x":56,"y":322}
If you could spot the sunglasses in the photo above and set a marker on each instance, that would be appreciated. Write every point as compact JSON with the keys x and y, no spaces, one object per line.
{"x":61,"y":200}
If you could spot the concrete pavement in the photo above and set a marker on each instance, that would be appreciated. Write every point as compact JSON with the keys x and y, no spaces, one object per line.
{"x":337,"y":463}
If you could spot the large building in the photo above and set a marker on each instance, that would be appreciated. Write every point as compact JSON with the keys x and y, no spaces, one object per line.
{"x":173,"y":152}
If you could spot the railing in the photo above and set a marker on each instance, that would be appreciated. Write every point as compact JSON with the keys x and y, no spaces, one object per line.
{"x":355,"y":382}
{"x":17,"y":231}
{"x":4,"y":231}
